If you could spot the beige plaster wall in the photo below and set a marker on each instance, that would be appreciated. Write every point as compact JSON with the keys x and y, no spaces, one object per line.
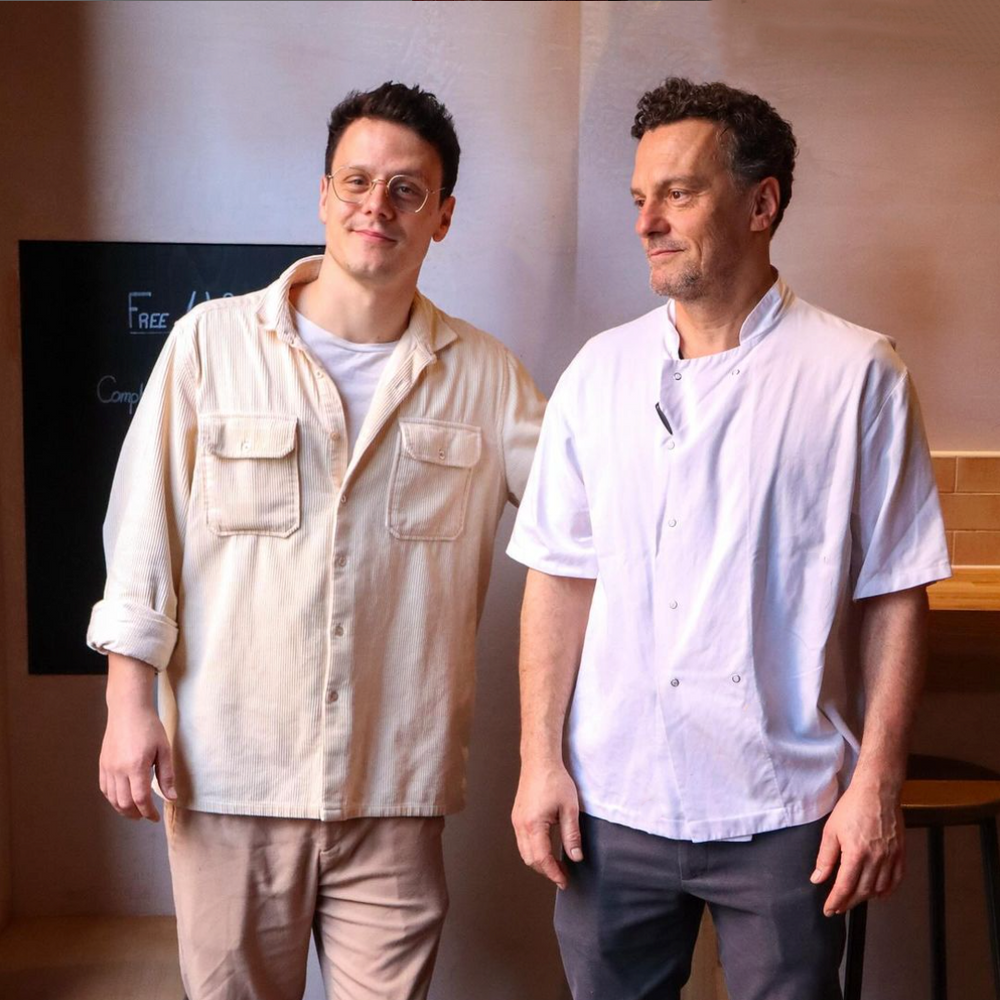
{"x":205,"y":122}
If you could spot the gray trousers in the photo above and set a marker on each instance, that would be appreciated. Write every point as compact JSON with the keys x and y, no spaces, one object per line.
{"x":628,"y":921}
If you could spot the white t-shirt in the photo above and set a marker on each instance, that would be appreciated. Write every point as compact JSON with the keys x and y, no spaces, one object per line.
{"x":717,"y":694}
{"x":354,"y":368}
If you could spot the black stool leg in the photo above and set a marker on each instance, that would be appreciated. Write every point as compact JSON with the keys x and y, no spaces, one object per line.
{"x":935,"y":865}
{"x":991,"y":869}
{"x":855,"y":966}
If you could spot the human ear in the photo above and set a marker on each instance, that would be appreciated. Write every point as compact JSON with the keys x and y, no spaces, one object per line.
{"x":764,"y":209}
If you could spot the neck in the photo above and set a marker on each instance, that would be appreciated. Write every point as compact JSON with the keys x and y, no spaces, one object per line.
{"x":361,"y":312}
{"x":712,"y":324}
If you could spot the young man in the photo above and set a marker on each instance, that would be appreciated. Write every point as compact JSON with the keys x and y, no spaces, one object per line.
{"x":299,"y":541}
{"x":729,"y":525}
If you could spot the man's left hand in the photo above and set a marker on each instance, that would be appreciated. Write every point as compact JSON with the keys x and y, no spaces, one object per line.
{"x":865,"y":835}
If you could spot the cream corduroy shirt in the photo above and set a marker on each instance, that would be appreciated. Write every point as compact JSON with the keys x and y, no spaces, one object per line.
{"x":313,"y":620}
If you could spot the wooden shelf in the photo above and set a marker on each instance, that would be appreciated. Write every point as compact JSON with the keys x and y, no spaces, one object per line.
{"x":972,"y":588}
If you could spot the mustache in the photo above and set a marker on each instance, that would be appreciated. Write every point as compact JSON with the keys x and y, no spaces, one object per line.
{"x":663,"y":245}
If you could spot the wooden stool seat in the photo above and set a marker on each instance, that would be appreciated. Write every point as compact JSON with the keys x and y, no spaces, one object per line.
{"x":940,"y":792}
{"x":949,"y":803}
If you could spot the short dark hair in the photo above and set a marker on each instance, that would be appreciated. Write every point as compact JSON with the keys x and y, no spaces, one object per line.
{"x":412,"y":107}
{"x":758,"y":141}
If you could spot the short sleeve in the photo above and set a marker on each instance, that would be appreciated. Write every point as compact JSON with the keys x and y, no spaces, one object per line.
{"x":522,"y":410}
{"x":898,"y":537}
{"x":552,"y":532}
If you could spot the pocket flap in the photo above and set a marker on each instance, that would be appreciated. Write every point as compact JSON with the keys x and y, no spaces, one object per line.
{"x":248,"y":437}
{"x":441,"y":443}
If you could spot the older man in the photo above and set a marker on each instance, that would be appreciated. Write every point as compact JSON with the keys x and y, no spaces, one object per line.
{"x":729,"y":525}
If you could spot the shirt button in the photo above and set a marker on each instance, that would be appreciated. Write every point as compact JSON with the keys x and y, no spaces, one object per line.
{"x":736,"y":371}
{"x":245,"y":445}
{"x":670,"y":446}
{"x":441,"y":455}
{"x":338,"y":630}
{"x":319,"y":373}
{"x":677,"y":376}
{"x":672,"y":523}
{"x":736,"y":678}
{"x":673,"y":605}
{"x":341,"y":561}
{"x":343,"y":498}
{"x":674,"y":683}
{"x":332,"y":696}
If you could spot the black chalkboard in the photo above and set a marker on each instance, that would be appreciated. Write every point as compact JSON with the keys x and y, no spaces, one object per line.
{"x":94,"y":317}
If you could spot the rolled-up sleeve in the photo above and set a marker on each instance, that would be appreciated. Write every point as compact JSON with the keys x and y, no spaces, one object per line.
{"x":898,"y":537}
{"x":147,"y":513}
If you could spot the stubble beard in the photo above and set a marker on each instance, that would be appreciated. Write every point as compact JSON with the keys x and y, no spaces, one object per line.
{"x":687,"y":286}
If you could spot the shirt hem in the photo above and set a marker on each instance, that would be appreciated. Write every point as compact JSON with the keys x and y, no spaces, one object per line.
{"x":324,"y":813}
{"x":724,"y":828}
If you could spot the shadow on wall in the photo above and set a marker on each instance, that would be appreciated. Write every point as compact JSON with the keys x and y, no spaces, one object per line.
{"x":43,"y":120}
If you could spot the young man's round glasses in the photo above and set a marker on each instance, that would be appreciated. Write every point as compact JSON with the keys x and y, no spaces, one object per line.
{"x":353,"y":185}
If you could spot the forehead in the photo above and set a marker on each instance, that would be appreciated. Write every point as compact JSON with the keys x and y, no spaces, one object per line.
{"x":386,"y":147}
{"x":685,"y":148}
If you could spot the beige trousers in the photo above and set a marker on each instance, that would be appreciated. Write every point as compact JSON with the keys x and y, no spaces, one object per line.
{"x":249,"y":891}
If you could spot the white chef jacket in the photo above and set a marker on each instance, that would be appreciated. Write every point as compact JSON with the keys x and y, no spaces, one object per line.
{"x":717,"y":694}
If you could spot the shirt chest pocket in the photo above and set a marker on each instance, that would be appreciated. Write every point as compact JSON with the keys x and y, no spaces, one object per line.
{"x":251,"y":474}
{"x":431,"y":478}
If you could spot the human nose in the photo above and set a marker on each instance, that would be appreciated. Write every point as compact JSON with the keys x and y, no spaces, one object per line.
{"x":377,"y":199}
{"x":650,"y":220}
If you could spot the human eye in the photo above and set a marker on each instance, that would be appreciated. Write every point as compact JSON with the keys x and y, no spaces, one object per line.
{"x":407,"y":191}
{"x":677,"y":196}
{"x":355,"y":180}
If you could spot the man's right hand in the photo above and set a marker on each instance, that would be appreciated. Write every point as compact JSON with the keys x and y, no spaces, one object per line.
{"x":135,"y":742}
{"x":547,"y":799}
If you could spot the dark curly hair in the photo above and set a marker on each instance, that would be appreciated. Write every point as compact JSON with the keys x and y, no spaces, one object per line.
{"x":757,"y":140}
{"x":417,"y":109}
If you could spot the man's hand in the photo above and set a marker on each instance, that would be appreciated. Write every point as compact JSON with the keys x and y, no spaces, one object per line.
{"x":865,"y":834}
{"x":135,"y":742}
{"x":547,"y":799}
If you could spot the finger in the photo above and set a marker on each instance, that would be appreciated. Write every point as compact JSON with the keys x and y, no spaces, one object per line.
{"x":569,"y":833}
{"x":539,"y":856}
{"x":142,"y":795}
{"x":843,"y":888}
{"x":884,"y":882}
{"x":552,"y":870}
{"x":827,"y":857}
{"x":122,"y":800}
{"x":896,"y":870}
{"x":165,"y":771}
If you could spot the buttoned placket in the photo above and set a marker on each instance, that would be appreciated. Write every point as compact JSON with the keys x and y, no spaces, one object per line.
{"x":337,"y":703}
{"x":693,"y":393}
{"x":337,"y":708}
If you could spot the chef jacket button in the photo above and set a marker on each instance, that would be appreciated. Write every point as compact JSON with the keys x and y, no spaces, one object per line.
{"x":677,"y":376}
{"x":672,"y":523}
{"x":670,"y":446}
{"x":674,"y":683}
{"x":736,"y":678}
{"x":673,"y":605}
